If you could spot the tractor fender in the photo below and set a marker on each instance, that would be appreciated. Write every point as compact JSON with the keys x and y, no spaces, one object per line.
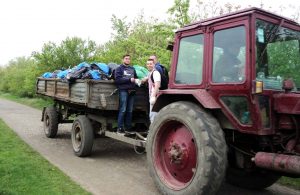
{"x":200,"y":96}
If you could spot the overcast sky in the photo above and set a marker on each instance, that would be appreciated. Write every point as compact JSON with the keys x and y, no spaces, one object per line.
{"x":27,"y":24}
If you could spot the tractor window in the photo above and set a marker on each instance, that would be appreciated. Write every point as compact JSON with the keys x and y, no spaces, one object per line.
{"x":229,"y":55}
{"x":277,"y":55}
{"x":190,"y":60}
{"x":238,"y":106}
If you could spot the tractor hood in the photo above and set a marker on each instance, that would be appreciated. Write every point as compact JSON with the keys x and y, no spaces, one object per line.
{"x":287,"y":103}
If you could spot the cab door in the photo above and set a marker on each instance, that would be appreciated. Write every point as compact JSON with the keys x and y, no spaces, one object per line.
{"x":229,"y":72}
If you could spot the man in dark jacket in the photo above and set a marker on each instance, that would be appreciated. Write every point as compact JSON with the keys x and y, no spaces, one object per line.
{"x":125,"y":76}
{"x":156,"y":63}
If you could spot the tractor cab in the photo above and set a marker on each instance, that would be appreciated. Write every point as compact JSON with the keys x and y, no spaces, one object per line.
{"x":245,"y":63}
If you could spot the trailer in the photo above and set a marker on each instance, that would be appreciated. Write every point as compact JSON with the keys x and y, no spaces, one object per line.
{"x":92,"y":107}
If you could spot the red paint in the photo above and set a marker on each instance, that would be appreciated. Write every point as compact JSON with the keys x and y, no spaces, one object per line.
{"x":278,"y":162}
{"x":287,"y":103}
{"x":288,"y":85}
{"x":291,"y":145}
{"x":285,"y":122}
{"x":202,"y":95}
{"x":175,"y":155}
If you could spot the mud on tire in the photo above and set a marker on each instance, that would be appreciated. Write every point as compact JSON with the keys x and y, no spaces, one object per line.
{"x":186,"y":150}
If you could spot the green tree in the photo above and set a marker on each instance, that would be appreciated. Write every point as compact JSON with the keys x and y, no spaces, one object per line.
{"x":180,"y":12}
{"x":143,"y":39}
{"x":19,"y":77}
{"x":70,"y":52}
{"x":120,"y":26}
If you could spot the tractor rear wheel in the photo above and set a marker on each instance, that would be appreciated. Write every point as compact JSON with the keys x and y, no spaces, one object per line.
{"x":186,"y":150}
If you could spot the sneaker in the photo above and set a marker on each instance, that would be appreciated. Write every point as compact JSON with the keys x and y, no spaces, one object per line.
{"x":120,"y":131}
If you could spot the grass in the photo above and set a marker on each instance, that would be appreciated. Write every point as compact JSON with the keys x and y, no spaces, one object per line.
{"x":38,"y":103}
{"x":24,"y":171}
{"x":290,"y":182}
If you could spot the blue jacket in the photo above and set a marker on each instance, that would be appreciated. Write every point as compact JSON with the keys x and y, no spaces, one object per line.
{"x":123,"y":74}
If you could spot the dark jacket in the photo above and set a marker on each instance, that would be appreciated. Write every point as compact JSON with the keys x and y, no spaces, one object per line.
{"x":123,"y":74}
{"x":158,"y":68}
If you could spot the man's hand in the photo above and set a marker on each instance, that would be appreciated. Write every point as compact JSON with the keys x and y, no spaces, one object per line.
{"x":144,"y":80}
{"x":138,"y":82}
{"x":132,"y":80}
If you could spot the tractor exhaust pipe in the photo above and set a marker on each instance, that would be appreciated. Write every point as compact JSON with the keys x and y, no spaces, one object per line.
{"x":278,"y":162}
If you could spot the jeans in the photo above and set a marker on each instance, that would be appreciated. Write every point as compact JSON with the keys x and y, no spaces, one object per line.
{"x":125,"y":109}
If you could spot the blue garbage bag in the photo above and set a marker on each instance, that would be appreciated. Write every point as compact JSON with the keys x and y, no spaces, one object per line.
{"x":62,"y":74}
{"x":47,"y":75}
{"x":82,"y":65}
{"x":95,"y":74}
{"x":102,"y":67}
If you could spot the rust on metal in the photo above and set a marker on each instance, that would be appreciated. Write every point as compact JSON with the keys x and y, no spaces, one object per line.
{"x":278,"y":162}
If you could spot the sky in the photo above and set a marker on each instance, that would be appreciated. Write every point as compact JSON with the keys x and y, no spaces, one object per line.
{"x":28,"y":24}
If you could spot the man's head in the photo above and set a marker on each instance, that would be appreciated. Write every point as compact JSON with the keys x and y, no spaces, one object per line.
{"x":154,"y":58}
{"x":150,"y":64}
{"x":233,"y":48}
{"x":126,"y":59}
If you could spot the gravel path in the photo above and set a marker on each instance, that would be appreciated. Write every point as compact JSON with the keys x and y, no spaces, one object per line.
{"x":113,"y":168}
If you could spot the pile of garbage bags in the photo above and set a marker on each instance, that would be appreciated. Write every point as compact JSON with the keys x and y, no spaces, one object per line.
{"x":96,"y":71}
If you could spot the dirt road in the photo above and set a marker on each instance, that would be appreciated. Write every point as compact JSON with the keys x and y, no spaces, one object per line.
{"x":112,"y":169}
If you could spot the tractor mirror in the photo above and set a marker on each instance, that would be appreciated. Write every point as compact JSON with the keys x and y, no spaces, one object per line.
{"x":170,"y":46}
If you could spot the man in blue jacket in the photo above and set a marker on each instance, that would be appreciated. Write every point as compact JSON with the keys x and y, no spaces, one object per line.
{"x":125,"y":76}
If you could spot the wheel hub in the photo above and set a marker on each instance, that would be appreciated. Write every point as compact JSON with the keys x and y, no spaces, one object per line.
{"x":77,"y":137}
{"x":178,"y":154}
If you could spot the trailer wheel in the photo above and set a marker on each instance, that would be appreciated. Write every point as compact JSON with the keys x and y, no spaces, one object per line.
{"x":186,"y":150}
{"x":50,"y":122}
{"x":82,"y":136}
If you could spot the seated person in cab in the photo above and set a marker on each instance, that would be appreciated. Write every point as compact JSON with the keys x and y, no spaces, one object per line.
{"x":229,"y":67}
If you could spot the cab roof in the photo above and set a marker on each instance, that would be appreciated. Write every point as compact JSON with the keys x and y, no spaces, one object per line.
{"x":239,"y":13}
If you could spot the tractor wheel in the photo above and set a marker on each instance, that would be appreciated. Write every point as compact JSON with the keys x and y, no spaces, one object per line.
{"x":255,"y":179}
{"x":50,"y":122}
{"x":82,"y":136}
{"x":186,"y":150}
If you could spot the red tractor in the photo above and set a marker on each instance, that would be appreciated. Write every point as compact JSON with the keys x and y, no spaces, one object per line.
{"x":232,"y":108}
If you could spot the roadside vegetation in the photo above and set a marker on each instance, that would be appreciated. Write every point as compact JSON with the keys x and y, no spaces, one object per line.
{"x":24,"y":171}
{"x":290,"y":182}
